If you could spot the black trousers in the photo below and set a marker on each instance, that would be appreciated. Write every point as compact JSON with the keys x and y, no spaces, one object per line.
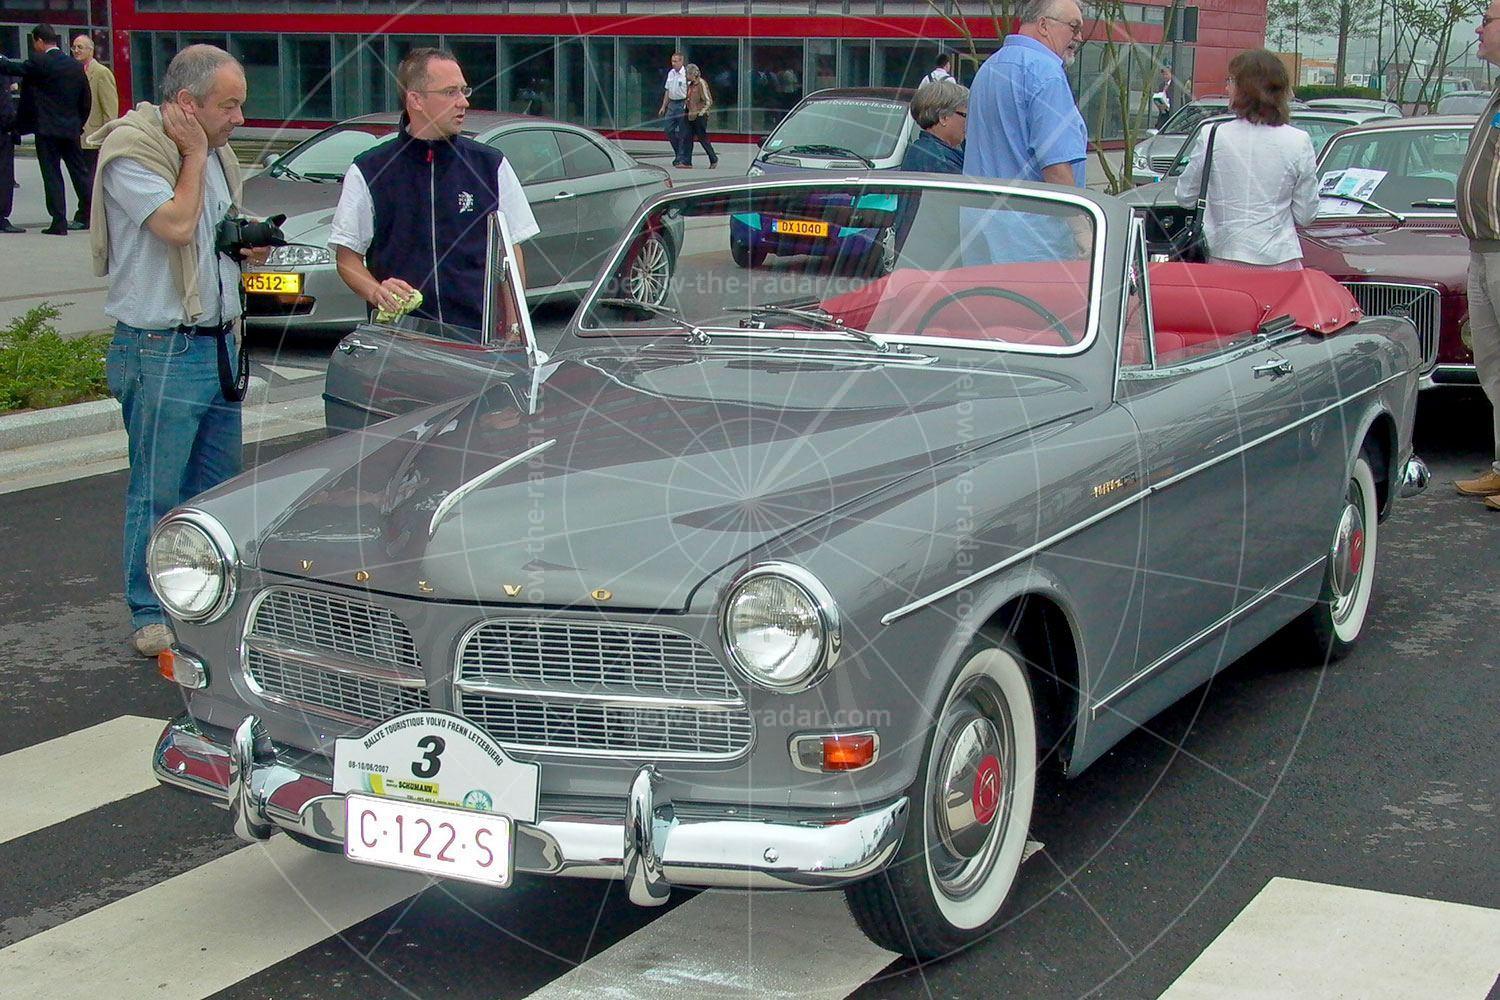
{"x":698,"y":129}
{"x":7,"y":174}
{"x":85,"y":196}
{"x":52,"y":154}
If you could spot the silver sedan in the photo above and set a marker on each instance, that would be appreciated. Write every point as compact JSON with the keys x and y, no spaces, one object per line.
{"x":583,"y":190}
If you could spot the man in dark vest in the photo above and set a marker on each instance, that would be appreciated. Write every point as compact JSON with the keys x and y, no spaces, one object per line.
{"x":54,"y":105}
{"x":412,"y":213}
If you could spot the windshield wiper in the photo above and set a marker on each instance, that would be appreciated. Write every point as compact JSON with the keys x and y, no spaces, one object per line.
{"x":822,"y":149}
{"x":1436,"y":203}
{"x":279,"y":169}
{"x":695,"y":335}
{"x":823,"y":319}
{"x":1367,"y":203}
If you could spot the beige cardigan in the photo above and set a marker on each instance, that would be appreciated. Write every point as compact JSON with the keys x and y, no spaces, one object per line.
{"x":104,"y":99}
{"x":139,"y":136}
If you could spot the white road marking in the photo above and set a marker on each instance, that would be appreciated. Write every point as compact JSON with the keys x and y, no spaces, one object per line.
{"x":206,"y":929}
{"x":68,"y":776}
{"x":1309,"y":940}
{"x":732,"y":944}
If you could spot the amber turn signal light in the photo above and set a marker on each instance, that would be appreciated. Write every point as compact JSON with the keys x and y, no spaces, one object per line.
{"x":182,"y":668}
{"x":820,"y":753}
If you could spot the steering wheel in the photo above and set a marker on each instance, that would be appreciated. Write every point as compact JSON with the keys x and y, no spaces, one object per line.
{"x":1056,"y":325}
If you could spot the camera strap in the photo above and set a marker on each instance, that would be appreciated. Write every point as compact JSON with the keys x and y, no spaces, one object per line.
{"x":232,"y":384}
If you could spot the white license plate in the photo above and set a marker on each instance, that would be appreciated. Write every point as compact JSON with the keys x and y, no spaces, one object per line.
{"x":434,"y":840}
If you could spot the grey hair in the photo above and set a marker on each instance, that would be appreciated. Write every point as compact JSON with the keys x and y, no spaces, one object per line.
{"x":691,"y":69}
{"x":193,"y":70}
{"x":1033,"y":11}
{"x":935,"y":100}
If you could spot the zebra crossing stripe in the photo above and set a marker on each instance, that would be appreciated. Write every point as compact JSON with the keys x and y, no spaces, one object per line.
{"x":1309,"y":940}
{"x":732,"y":944}
{"x":84,"y":770}
{"x":206,"y":929}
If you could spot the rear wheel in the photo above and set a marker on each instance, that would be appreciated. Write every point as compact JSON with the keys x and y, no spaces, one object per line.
{"x":971,"y":810}
{"x":649,"y":271}
{"x":745,"y":255}
{"x":1333,"y":625}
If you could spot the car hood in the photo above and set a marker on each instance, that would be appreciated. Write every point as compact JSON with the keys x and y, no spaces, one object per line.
{"x":637,"y":476}
{"x":1423,"y":250}
{"x":265,"y":196}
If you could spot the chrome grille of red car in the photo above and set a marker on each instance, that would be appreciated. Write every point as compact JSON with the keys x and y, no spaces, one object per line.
{"x":331,"y":655}
{"x":1420,"y":303}
{"x":613,"y":690}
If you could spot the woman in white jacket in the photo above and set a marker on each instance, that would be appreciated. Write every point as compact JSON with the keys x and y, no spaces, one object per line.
{"x":1261,"y":184}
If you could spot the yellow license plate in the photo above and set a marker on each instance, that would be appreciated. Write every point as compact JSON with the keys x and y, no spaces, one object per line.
{"x":271,"y":283}
{"x":799,"y":227}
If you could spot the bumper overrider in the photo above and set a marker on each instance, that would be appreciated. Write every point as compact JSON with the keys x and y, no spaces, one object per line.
{"x":267,"y":787}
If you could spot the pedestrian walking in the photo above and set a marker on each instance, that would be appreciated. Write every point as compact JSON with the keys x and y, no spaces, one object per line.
{"x":1479,"y":217}
{"x":104,"y":106}
{"x":166,"y":179}
{"x":940,"y":70}
{"x":7,"y":158}
{"x":1166,"y":97}
{"x":54,"y":106}
{"x":699,"y":100}
{"x":413,"y":213}
{"x":1262,"y":181}
{"x":941,"y":110}
{"x":674,"y":110}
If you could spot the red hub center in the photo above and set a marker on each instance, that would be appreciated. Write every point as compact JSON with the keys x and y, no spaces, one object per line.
{"x":987,"y":789}
{"x":1356,"y":552}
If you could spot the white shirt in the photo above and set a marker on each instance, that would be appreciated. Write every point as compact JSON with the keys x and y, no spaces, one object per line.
{"x":935,"y":76}
{"x":676,"y":86}
{"x":354,"y":219}
{"x":141,"y":292}
{"x":1260,"y":187}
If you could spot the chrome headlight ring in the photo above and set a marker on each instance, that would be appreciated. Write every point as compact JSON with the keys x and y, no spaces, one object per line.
{"x":228,"y":563}
{"x":819,"y":606}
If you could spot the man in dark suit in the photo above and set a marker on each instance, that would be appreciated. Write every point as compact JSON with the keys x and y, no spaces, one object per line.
{"x":7,"y":157}
{"x":54,"y":105}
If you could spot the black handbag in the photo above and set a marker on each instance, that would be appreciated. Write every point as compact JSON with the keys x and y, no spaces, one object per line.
{"x":1192,"y":240}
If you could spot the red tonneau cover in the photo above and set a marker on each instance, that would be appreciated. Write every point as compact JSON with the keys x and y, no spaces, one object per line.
{"x":1223,"y":301}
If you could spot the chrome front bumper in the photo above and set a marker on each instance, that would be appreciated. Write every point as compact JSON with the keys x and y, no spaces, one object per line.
{"x":1414,"y":477}
{"x":266,"y":787}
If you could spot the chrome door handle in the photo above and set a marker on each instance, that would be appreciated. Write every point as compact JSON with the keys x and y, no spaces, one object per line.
{"x":562,"y":196}
{"x":1273,"y":369}
{"x":355,"y":344}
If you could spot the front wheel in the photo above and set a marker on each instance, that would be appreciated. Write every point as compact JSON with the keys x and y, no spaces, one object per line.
{"x":648,"y":274}
{"x":971,"y":810}
{"x":747,"y":255}
{"x":1333,"y":625}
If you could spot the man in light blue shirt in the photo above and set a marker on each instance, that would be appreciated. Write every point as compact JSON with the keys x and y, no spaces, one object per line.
{"x":1023,"y":121}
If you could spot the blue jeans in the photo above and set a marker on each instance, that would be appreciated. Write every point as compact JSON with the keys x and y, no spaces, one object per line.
{"x":677,"y":132}
{"x":184,"y":437}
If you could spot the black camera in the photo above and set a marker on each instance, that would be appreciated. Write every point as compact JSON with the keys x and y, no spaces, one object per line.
{"x":235,"y":234}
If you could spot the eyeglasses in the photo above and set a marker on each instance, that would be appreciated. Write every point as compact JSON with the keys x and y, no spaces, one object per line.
{"x":1484,"y":22}
{"x":962,"y":114}
{"x":1076,"y":27}
{"x":452,"y":93}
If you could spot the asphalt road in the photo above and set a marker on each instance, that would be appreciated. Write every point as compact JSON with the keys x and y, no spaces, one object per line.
{"x":1376,"y":773}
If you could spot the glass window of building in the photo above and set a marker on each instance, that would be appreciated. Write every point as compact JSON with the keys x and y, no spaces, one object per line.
{"x":142,"y":84}
{"x":261,"y":57}
{"x":586,"y":70}
{"x":903,"y":64}
{"x":397,"y":47}
{"x":822,"y":63}
{"x":533,"y":154}
{"x":645,"y":62}
{"x":854,"y":64}
{"x":351,"y":95}
{"x":528,"y":77}
{"x":582,"y":156}
{"x":719,"y":62}
{"x":309,"y":71}
{"x":163,"y":48}
{"x":775,"y":82}
{"x":481,"y":68}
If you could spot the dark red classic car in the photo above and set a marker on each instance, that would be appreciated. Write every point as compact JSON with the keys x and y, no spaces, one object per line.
{"x":1387,"y":230}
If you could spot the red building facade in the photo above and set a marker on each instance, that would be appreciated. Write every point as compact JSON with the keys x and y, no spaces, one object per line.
{"x":600,"y":62}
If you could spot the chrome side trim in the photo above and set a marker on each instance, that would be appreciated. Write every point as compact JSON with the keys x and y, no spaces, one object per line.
{"x":452,"y":499}
{"x":1145,"y":492}
{"x":1200,"y":635}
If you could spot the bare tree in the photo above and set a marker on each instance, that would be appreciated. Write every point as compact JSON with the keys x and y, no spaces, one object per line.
{"x":1344,"y":19}
{"x":1425,"y":28}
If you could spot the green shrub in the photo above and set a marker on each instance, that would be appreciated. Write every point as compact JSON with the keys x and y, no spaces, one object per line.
{"x":38,"y":368}
{"x":1311,"y":91}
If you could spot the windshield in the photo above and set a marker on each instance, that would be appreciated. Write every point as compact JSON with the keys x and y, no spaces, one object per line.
{"x":869,"y":128}
{"x":1319,"y":130}
{"x":1185,"y":120}
{"x":1402,"y":169}
{"x":327,"y":155}
{"x":1462,"y":104}
{"x":962,"y":266}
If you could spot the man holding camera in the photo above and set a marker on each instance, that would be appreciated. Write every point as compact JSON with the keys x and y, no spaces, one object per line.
{"x":411,"y":217}
{"x":165,"y":182}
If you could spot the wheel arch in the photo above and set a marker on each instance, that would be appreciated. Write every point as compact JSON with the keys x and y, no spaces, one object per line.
{"x":1380,"y":441}
{"x":1046,"y":633}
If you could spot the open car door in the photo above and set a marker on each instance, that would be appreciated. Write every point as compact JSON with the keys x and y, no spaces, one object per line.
{"x":383,"y":370}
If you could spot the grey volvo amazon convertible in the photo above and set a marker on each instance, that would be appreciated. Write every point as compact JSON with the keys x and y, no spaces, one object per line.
{"x":796,"y":577}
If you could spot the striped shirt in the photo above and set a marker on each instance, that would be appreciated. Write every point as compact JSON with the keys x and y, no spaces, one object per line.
{"x":1479,"y":180}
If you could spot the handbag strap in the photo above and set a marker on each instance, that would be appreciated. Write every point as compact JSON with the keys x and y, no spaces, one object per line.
{"x":1208,"y":162}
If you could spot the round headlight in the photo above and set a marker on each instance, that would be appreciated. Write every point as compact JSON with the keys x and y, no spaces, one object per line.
{"x":780,"y":627}
{"x":189,"y":569}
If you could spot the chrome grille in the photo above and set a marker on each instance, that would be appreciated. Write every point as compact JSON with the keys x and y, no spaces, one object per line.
{"x":1161,"y":164}
{"x":1420,"y":303}
{"x":332,"y":655}
{"x":599,"y":689}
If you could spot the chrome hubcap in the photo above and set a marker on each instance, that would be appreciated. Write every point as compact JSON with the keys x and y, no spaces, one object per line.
{"x":1348,"y":556}
{"x":970,"y":786}
{"x":649,"y":272}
